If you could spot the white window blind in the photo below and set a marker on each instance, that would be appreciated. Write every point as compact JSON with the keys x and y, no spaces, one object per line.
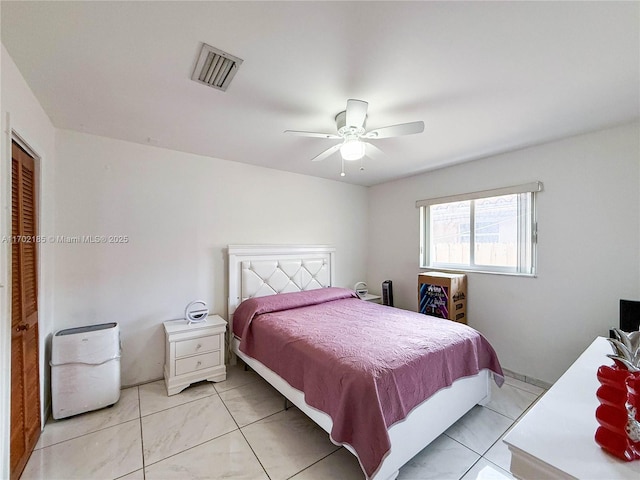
{"x":496,"y":192}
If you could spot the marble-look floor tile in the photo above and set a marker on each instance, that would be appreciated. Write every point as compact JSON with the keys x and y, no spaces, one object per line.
{"x":236,"y":377}
{"x":56,"y":431}
{"x":172,"y":431}
{"x":479,"y":428}
{"x":106,"y":454}
{"x":340,"y":464}
{"x":287,"y":443}
{"x":510,"y":401}
{"x":524,"y":386}
{"x":485,"y":470}
{"x":228,"y":456}
{"x":442,"y":459}
{"x":499,"y":454}
{"x":137,"y":475}
{"x":192,"y":435}
{"x":154,"y":398}
{"x":252,"y":402}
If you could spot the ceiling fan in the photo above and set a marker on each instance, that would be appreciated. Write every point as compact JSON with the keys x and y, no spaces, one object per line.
{"x":351,"y":126}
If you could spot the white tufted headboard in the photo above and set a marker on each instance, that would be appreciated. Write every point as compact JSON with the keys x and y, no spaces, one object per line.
{"x":259,"y":270}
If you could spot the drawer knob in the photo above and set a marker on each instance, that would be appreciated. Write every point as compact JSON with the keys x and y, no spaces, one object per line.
{"x":199,"y":363}
{"x":198,"y":347}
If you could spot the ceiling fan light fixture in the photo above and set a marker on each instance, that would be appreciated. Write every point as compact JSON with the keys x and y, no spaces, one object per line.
{"x":352,"y":149}
{"x":351,"y":128}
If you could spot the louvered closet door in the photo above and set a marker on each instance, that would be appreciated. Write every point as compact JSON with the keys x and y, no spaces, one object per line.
{"x":25,"y":382}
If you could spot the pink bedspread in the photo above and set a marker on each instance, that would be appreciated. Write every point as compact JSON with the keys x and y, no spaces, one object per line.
{"x":365,"y":365}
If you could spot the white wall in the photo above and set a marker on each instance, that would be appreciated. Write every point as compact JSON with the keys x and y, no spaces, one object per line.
{"x":180,"y":211}
{"x":28,"y":120}
{"x":588,"y":249}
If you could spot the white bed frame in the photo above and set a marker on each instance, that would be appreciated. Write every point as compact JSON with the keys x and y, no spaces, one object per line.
{"x":258,"y":270}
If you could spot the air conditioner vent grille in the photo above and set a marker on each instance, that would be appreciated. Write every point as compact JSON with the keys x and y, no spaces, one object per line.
{"x":215,"y":68}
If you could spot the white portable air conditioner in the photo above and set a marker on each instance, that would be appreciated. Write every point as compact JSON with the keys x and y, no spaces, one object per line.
{"x":85,"y":369}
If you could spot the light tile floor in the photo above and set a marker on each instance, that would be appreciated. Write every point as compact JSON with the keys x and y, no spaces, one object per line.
{"x":238,"y":429}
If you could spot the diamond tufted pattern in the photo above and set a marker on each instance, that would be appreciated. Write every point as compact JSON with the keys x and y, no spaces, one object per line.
{"x":269,"y":277}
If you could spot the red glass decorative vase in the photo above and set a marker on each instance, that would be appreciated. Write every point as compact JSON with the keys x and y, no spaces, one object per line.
{"x":618,"y":413}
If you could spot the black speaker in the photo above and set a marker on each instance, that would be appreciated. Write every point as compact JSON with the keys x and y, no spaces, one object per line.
{"x":629,"y":315}
{"x":387,"y":293}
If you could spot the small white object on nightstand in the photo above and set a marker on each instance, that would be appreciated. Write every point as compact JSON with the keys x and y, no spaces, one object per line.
{"x":194,"y":352}
{"x":371,"y":298}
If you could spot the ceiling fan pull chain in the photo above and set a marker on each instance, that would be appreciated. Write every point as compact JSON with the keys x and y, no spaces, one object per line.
{"x":342,"y":174}
{"x":362,"y":164}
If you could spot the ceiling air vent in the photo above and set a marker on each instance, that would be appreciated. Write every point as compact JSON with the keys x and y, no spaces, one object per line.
{"x":215,"y":68}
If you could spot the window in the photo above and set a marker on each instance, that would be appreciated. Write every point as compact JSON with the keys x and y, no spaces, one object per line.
{"x":490,"y":231}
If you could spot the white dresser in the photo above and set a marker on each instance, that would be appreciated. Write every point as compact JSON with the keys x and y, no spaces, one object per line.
{"x":194,"y":352}
{"x":555,"y":439}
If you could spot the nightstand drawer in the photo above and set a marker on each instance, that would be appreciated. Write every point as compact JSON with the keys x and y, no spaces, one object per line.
{"x":197,"y":345}
{"x":194,"y":352}
{"x":198,"y":362}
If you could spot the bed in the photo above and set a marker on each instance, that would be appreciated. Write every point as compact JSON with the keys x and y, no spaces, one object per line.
{"x":304,"y":337}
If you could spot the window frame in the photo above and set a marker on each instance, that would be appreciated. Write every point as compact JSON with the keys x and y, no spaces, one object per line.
{"x":527,"y":231}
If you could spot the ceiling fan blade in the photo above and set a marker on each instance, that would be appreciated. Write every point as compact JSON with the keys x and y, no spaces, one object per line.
{"x":329,"y":151}
{"x":396,"y":130}
{"x":374,"y":152}
{"x":312,"y":134}
{"x":356,"y":113}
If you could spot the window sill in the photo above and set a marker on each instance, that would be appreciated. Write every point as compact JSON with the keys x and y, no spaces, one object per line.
{"x":484,"y":272}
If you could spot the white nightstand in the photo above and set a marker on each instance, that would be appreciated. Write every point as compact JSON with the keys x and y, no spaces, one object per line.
{"x":371,"y":298}
{"x":194,"y":352}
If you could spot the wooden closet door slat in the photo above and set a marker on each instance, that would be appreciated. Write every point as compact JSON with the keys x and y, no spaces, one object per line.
{"x":25,"y":363}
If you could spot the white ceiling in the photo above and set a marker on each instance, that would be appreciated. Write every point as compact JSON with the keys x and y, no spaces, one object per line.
{"x":486,"y":77}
